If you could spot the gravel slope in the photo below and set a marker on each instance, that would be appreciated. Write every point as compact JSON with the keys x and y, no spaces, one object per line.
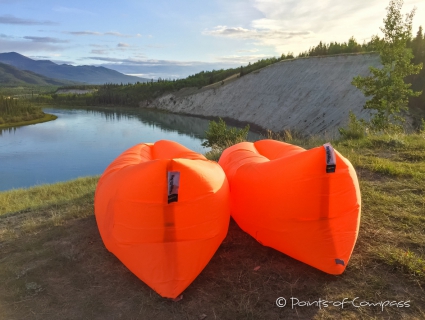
{"x":310,"y":95}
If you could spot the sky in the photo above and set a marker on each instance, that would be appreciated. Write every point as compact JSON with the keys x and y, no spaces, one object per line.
{"x":176,"y":38}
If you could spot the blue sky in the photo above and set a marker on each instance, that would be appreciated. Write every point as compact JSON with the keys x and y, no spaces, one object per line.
{"x":172,"y":39}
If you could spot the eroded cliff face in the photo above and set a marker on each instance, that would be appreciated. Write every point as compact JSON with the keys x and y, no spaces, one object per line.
{"x":310,"y":95}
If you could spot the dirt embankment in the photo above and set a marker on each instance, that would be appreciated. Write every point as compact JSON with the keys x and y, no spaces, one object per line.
{"x":309,"y":95}
{"x":74,"y":91}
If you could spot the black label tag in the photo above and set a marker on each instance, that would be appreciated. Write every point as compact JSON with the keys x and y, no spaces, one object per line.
{"x":340,"y":261}
{"x":173,"y":186}
{"x":330,"y":158}
{"x":173,"y":198}
{"x":330,"y":168}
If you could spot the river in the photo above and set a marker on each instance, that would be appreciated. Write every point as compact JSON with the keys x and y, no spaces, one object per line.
{"x":83,"y":142}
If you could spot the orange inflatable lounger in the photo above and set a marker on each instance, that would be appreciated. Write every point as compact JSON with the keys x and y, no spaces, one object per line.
{"x":304,"y":203}
{"x":163,"y":210}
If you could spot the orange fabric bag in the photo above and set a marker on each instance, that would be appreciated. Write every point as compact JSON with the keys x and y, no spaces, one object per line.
{"x":304,"y":203}
{"x":163,"y":210}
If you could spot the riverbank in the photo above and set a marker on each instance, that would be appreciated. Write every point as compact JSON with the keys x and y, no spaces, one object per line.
{"x":47,"y":117}
{"x":53,"y":263}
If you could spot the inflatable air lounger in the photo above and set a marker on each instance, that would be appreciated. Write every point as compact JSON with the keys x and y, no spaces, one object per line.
{"x":304,"y":203}
{"x":163,"y":210}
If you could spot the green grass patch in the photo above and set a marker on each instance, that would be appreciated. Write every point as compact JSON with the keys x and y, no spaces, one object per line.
{"x":405,"y":261}
{"x":45,"y":118}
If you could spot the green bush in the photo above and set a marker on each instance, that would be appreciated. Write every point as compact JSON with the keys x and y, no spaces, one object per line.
{"x":356,"y":129}
{"x":219,"y":136}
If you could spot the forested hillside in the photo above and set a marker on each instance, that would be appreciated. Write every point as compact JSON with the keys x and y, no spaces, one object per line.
{"x":133,"y":94}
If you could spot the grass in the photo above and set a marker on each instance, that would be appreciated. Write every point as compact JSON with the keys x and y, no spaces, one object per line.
{"x":53,"y":263}
{"x":45,"y":118}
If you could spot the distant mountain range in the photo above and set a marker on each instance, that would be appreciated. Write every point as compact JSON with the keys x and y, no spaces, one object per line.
{"x":82,"y":74}
{"x":11,"y":76}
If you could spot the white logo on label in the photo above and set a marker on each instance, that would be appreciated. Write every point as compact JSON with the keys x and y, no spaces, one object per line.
{"x":330,"y":154}
{"x":173,"y":182}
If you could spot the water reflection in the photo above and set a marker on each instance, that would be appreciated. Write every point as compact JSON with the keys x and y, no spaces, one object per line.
{"x":192,"y":126}
{"x":83,"y":142}
{"x":184,"y":124}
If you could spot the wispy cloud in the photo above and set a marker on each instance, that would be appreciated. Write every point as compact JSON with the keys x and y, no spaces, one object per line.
{"x":117,"y":34}
{"x":123,"y":45}
{"x":24,"y":46}
{"x":255,"y":34}
{"x":96,"y":33}
{"x":10,"y":19}
{"x":242,"y":60}
{"x":145,"y":62}
{"x":45,"y":39}
{"x":54,"y":55}
{"x":84,"y":33}
{"x":99,"y":51}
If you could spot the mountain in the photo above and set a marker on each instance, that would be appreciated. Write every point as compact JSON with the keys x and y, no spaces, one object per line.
{"x":85,"y":74}
{"x":12,"y":76}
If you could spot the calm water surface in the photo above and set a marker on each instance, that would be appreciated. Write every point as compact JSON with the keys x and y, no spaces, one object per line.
{"x":83,"y":142}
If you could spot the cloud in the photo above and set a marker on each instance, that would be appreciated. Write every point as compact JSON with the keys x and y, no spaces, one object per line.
{"x":27,"y":46}
{"x":117,"y":34}
{"x":9,"y":19}
{"x":255,"y":34}
{"x":99,"y":51}
{"x":84,"y":33}
{"x":96,"y":33}
{"x":45,"y":39}
{"x":134,"y":61}
{"x":123,"y":45}
{"x":45,"y":57}
{"x":241,"y":60}
{"x":296,"y":25}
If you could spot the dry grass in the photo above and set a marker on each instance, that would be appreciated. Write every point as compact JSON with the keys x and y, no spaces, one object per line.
{"x":53,"y":264}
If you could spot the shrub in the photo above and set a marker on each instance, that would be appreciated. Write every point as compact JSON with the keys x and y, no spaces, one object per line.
{"x":356,"y":129}
{"x":219,"y":136}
